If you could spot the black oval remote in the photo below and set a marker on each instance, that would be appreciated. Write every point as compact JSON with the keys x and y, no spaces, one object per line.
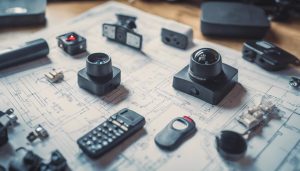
{"x":175,"y":133}
{"x":110,"y":133}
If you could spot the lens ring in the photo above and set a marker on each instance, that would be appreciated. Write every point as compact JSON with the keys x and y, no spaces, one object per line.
{"x":99,"y":65}
{"x":98,"y":58}
{"x":206,"y":56}
{"x":205,"y":64}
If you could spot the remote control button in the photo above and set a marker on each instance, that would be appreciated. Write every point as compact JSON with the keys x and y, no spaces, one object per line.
{"x":124,"y":128}
{"x":116,"y":123}
{"x":120,"y":121}
{"x":105,"y":124}
{"x":104,"y":143}
{"x":94,"y":132}
{"x":99,"y":135}
{"x":89,"y":143}
{"x":99,"y":128}
{"x":110,"y":140}
{"x":94,"y":139}
{"x":114,"y":117}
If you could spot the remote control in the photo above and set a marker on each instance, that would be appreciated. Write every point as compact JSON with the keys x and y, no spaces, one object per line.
{"x":110,"y":133}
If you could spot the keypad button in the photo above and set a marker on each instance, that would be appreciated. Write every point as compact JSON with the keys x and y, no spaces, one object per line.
{"x":104,"y":143}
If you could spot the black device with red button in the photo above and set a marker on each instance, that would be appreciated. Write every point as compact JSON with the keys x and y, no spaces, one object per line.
{"x":111,"y":132}
{"x":268,"y":56}
{"x":206,"y":78}
{"x":72,"y":43}
{"x":175,"y":133}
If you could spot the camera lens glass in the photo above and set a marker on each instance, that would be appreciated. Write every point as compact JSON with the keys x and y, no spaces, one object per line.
{"x":99,"y":65}
{"x":206,"y":56}
{"x":98,"y":59}
{"x":205,"y":64}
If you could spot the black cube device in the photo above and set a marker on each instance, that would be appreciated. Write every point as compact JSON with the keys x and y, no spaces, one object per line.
{"x":99,"y":77}
{"x":206,"y":78}
{"x":230,"y":19}
{"x":72,"y":43}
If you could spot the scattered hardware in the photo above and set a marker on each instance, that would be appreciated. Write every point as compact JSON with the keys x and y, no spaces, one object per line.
{"x":206,"y":77}
{"x":111,"y":132}
{"x":255,"y":115}
{"x":175,"y":133}
{"x":231,"y":145}
{"x":232,"y":19}
{"x":7,"y":119}
{"x":177,"y":35}
{"x":294,"y":82}
{"x":99,"y":77}
{"x":72,"y":43}
{"x":28,"y":51}
{"x":26,"y":160}
{"x":40,"y":132}
{"x":55,"y":76}
{"x":268,"y":56}
{"x":123,"y":32}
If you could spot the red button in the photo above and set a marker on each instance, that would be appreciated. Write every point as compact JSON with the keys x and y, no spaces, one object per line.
{"x":188,"y":119}
{"x":71,"y":38}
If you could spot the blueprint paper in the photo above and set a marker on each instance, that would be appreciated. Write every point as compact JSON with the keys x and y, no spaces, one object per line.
{"x":68,"y":112}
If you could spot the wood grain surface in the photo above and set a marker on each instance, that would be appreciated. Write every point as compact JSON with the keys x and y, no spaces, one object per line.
{"x":286,"y":35}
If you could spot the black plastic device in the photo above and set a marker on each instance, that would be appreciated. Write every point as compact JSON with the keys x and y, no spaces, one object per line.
{"x":229,"y":19}
{"x":206,"y":78}
{"x":22,"y":12}
{"x":110,"y":133}
{"x":99,"y":77}
{"x":72,"y":43}
{"x":123,"y":32}
{"x":267,"y":55}
{"x":26,"y":160}
{"x":231,"y":145}
{"x":23,"y":53}
{"x":175,"y":133}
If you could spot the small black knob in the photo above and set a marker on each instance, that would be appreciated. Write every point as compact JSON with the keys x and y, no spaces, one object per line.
{"x":231,"y":145}
{"x":99,"y":65}
{"x":205,"y":64}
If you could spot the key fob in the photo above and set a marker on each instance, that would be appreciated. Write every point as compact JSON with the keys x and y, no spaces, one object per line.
{"x":175,"y":133}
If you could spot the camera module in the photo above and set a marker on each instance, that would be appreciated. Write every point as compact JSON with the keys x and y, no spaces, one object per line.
{"x":206,"y":77}
{"x":99,"y":77}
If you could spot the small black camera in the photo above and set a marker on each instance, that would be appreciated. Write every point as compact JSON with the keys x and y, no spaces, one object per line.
{"x":99,"y":77}
{"x":123,"y":32}
{"x":206,"y":78}
{"x":267,"y":55}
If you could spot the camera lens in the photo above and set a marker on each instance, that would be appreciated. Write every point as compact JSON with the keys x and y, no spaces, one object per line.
{"x":99,"y":65}
{"x":205,"y":63}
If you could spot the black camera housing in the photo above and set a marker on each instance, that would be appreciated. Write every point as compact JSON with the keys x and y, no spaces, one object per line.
{"x":215,"y":82}
{"x":72,"y":43}
{"x":267,"y":55}
{"x":99,"y":78}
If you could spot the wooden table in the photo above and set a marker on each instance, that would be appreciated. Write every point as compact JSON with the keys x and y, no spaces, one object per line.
{"x":286,"y":35}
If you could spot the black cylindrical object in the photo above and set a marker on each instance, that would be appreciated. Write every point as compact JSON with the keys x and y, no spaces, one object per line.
{"x":26,"y":52}
{"x":231,"y":145}
{"x":205,"y":63}
{"x":99,"y":65}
